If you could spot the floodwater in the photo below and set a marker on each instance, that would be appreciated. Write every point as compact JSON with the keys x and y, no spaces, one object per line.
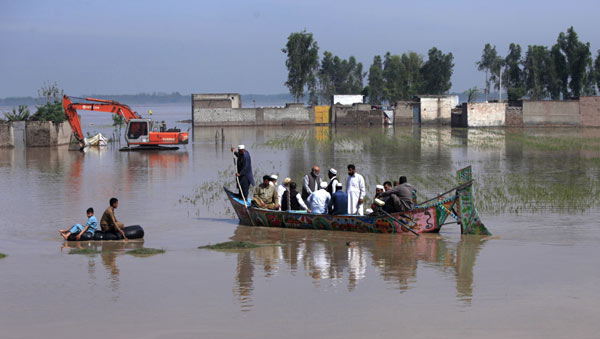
{"x":537,"y":277}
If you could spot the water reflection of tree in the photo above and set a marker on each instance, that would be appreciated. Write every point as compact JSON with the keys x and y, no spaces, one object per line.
{"x":326,"y":256}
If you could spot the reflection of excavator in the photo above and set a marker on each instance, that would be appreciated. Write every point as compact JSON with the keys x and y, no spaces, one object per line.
{"x":145,"y":133}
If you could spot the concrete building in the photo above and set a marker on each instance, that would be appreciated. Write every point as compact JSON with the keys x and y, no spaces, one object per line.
{"x":436,"y":109}
{"x":347,"y":99}
{"x":483,"y":114}
{"x":217,"y":100}
{"x":225,"y":110}
{"x":356,"y":114}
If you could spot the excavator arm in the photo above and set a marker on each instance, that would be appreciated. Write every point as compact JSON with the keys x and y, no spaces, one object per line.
{"x":101,"y":105}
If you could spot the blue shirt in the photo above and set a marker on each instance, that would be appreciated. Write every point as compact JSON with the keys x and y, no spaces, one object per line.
{"x":339,"y":203}
{"x":92,"y":224}
{"x":244,"y":166}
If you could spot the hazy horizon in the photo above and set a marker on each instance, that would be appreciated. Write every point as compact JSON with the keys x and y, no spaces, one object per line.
{"x":234,"y":46}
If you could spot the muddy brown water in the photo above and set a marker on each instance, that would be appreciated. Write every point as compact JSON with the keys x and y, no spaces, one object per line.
{"x":536,"y":277}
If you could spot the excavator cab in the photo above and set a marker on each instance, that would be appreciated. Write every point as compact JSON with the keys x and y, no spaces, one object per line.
{"x":138,"y":131}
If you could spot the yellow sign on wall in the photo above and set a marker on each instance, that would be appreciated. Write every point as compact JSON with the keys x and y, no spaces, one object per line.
{"x":322,"y":114}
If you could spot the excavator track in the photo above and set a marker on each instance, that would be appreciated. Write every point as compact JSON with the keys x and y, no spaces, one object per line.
{"x":148,"y":148}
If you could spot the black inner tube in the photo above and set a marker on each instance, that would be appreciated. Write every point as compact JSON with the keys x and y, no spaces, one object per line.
{"x":131,"y":232}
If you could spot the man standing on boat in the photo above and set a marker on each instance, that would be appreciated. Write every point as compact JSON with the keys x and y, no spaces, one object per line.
{"x":333,"y":181}
{"x":311,"y":182}
{"x":355,"y":188}
{"x":244,"y":169}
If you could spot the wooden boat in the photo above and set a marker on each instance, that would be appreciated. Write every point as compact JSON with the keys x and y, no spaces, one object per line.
{"x":427,"y":217}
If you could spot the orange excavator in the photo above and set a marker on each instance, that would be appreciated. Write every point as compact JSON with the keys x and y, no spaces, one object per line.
{"x":145,"y":134}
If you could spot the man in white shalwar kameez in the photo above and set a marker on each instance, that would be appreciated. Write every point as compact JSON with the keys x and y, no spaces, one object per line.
{"x":355,"y":187}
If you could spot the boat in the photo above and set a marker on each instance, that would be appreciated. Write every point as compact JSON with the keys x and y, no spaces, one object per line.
{"x":427,"y":217}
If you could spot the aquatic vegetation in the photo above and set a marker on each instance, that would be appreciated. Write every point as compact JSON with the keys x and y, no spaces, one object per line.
{"x":2,"y":255}
{"x":210,"y":193}
{"x":235,"y":245}
{"x":85,"y":251}
{"x":515,"y":170}
{"x":145,"y":252}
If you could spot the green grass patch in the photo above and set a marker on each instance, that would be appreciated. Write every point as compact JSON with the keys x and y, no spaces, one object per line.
{"x":85,"y":251}
{"x":235,"y":245}
{"x":2,"y":255}
{"x":145,"y":252}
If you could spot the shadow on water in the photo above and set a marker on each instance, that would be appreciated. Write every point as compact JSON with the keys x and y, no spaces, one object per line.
{"x":108,"y":251}
{"x":333,"y":258}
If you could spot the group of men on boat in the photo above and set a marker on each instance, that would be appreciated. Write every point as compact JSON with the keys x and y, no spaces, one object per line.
{"x":320,"y":196}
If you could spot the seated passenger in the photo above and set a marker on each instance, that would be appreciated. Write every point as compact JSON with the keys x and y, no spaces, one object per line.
{"x":265,"y":195}
{"x":292,"y":199}
{"x":403,"y":181}
{"x":109,"y":222}
{"x":339,"y":202}
{"x":400,"y":199}
{"x":91,"y":226}
{"x":318,"y":201}
{"x":378,"y":190}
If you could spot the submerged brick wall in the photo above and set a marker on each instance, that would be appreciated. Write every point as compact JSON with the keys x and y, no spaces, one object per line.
{"x":514,"y":117}
{"x":484,"y":114}
{"x":357,"y":114}
{"x":6,"y":135}
{"x":46,"y":133}
{"x":403,"y":112}
{"x":551,"y":113}
{"x":291,"y":114}
{"x":589,"y":109}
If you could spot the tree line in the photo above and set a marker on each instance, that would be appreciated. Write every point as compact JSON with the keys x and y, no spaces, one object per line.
{"x":391,"y":78}
{"x":564,"y":70}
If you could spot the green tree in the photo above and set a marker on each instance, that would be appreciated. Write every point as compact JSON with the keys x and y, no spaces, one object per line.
{"x":513,"y":77}
{"x":411,"y":79}
{"x":578,"y":59}
{"x":392,"y":69}
{"x":536,"y":65}
{"x":376,"y":82}
{"x":487,"y":64}
{"x":402,"y":76}
{"x":557,"y":75}
{"x":437,"y":71}
{"x":472,"y":94}
{"x":51,"y":108}
{"x":18,"y":114}
{"x":597,"y":69}
{"x":302,"y":63}
{"x":326,"y":78}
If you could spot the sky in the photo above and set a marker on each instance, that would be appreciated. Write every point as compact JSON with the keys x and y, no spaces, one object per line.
{"x":130,"y":46}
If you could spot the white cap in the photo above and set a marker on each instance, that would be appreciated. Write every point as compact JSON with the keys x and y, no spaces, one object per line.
{"x":323,"y":184}
{"x":379,"y":187}
{"x":332,"y":171}
{"x":274,"y":176}
{"x":241,"y":147}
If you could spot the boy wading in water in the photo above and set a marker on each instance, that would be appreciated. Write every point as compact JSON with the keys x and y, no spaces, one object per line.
{"x":91,"y":226}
